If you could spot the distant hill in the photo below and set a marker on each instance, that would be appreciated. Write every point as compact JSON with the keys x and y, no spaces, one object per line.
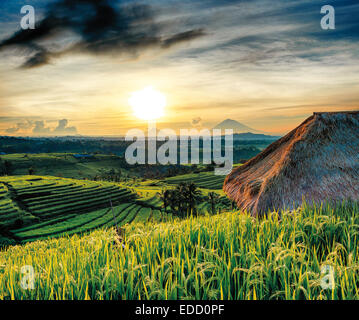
{"x":253,"y":136}
{"x":236,"y":126}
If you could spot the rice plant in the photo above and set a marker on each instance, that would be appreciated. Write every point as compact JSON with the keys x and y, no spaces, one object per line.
{"x":227,"y":256}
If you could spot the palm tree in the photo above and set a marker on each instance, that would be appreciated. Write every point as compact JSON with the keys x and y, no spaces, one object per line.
{"x":213,"y":198}
{"x":193,"y":194}
{"x":182,"y":196}
{"x":173,"y":201}
{"x":164,"y":196}
{"x":182,"y":200}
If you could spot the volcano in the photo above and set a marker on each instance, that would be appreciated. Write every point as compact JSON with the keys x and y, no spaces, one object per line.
{"x":318,"y":161}
{"x":236,"y":126}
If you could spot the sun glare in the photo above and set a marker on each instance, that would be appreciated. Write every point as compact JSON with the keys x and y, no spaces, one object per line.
{"x":148,"y":104}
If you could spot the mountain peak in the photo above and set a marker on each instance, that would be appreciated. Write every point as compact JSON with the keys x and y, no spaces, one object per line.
{"x":236,"y":126}
{"x":230,"y":121}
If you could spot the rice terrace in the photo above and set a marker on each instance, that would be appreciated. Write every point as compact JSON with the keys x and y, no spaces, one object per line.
{"x":193,"y":152}
{"x":183,"y":239}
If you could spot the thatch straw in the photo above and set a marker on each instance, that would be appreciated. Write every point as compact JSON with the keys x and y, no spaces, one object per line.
{"x":318,"y":161}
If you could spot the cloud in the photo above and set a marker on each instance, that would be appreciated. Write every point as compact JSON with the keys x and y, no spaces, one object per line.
{"x":39,"y":127}
{"x":63,"y":129}
{"x":101,"y":27}
{"x":12,"y":130}
{"x":196,"y":122}
{"x":183,"y":37}
{"x":254,"y":33}
{"x":20,"y":126}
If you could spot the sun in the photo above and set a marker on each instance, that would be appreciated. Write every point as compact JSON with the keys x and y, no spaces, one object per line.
{"x":148,"y":104}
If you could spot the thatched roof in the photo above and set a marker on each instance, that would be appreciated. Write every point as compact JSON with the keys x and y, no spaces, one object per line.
{"x":319,"y":160}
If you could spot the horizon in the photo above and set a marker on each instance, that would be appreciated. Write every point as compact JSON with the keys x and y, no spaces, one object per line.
{"x":235,"y":58}
{"x":145,"y":129}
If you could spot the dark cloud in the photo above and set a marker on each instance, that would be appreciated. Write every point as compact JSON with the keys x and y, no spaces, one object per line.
{"x":102,"y":26}
{"x":183,"y":37}
{"x":41,"y":57}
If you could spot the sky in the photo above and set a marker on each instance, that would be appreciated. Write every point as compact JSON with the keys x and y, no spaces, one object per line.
{"x":267,"y":64}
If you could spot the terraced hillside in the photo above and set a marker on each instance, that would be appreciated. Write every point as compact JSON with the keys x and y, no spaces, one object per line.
{"x":206,"y":180}
{"x":9,"y":212}
{"x":33,"y":207}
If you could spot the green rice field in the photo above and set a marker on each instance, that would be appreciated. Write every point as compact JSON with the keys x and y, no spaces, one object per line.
{"x":35,"y":207}
{"x":227,"y":256}
{"x":206,"y":180}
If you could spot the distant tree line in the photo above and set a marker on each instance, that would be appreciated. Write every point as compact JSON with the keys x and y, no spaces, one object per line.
{"x":242,"y":149}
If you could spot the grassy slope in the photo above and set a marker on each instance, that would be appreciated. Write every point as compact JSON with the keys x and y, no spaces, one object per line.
{"x":206,"y":180}
{"x":61,"y":164}
{"x":228,"y":256}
